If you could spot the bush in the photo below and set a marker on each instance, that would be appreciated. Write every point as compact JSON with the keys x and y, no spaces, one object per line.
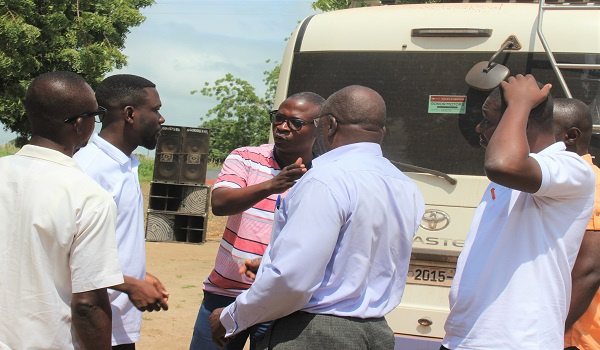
{"x":8,"y":149}
{"x":146,"y":168}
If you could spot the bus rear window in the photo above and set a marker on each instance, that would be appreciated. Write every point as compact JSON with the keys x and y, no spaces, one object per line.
{"x":445,"y":142}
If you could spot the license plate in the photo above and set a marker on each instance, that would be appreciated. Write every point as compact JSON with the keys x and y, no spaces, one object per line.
{"x":430,"y":275}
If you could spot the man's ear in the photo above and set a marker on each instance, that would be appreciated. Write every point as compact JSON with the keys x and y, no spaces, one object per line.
{"x":572,"y":136}
{"x":333,"y":126}
{"x":76,"y":126}
{"x":129,"y":114}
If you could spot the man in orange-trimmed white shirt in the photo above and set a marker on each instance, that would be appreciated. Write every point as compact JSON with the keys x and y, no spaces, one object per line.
{"x":573,"y":126}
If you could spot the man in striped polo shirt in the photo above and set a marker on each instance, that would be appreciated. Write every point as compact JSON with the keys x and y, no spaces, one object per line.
{"x":249,"y":187}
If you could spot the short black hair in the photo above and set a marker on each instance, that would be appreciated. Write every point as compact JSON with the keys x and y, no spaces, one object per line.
{"x":309,"y":97}
{"x":51,"y":98}
{"x":540,"y":115}
{"x":122,"y":90}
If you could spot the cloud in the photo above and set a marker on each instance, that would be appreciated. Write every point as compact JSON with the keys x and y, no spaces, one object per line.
{"x":184,"y":43}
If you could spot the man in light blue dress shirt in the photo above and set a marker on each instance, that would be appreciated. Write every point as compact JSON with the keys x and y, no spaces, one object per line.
{"x":341,"y":241}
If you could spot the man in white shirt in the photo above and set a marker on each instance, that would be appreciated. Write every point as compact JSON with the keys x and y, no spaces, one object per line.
{"x":132,"y":119}
{"x":57,"y":227}
{"x":512,"y":285}
{"x":341,"y":241}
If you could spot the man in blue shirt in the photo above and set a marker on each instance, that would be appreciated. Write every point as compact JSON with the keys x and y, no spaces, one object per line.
{"x":341,"y":241}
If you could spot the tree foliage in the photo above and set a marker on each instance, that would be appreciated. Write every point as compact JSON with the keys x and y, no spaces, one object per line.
{"x":241,"y":118}
{"x":39,"y":36}
{"x":332,"y":5}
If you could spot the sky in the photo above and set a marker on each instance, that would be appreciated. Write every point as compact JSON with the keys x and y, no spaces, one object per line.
{"x":185,"y":43}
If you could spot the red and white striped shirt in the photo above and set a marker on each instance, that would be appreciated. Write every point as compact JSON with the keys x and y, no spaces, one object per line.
{"x":247,"y":234}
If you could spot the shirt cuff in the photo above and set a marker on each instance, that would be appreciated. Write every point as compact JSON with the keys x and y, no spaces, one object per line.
{"x":228,"y":320}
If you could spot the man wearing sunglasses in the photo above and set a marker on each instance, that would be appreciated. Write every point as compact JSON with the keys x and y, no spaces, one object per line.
{"x":132,"y":119}
{"x":57,"y":227}
{"x":249,"y":188}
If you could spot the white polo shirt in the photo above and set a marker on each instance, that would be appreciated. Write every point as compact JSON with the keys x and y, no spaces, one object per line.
{"x":513,"y":282}
{"x":56,"y":238}
{"x":117,"y":173}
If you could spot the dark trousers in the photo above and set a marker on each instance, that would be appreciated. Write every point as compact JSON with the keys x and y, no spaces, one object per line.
{"x":124,"y":347}
{"x":202,"y":337}
{"x":306,"y":331}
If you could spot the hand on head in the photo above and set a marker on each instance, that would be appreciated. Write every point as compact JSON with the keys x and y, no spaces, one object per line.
{"x":524,"y":91}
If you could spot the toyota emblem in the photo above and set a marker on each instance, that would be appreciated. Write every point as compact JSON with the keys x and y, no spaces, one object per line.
{"x":434,"y":220}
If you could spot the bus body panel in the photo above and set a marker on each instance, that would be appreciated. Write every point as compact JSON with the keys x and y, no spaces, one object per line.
{"x":374,"y":47}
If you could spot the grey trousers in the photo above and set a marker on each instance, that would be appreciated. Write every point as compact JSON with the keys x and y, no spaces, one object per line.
{"x":305,"y":331}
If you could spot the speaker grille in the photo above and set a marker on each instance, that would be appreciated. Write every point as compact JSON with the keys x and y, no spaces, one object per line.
{"x":194,"y":200}
{"x":160,"y":227}
{"x":193,"y":171}
{"x":196,"y":141}
{"x":169,"y":140}
{"x":166,"y":167}
{"x":181,"y":155}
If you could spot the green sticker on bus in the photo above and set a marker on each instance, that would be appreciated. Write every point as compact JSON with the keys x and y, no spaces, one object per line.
{"x":447,"y":104}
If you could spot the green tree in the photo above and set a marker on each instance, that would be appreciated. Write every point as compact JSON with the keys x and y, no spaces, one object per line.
{"x":241,"y":118}
{"x":38,"y":36}
{"x":332,"y":5}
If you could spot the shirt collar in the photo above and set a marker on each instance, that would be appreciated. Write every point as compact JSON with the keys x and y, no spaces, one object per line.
{"x":335,"y":154}
{"x":47,"y":154}
{"x":553,"y":148}
{"x":113,"y":151}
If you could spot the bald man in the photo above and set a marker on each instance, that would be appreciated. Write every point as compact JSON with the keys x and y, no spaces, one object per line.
{"x":341,"y":241}
{"x":573,"y":126}
{"x":57,"y":227}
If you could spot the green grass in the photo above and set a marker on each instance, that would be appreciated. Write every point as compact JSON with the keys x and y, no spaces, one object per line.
{"x":146,"y":168}
{"x":8,"y":149}
{"x":214,"y":165}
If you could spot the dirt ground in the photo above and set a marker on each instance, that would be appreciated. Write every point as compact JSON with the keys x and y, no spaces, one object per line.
{"x":181,"y":267}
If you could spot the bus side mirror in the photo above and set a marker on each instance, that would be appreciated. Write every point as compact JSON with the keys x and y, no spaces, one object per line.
{"x":486,"y":75}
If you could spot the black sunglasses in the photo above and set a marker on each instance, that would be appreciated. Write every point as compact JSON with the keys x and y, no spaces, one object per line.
{"x":99,"y":113}
{"x":294,"y":124}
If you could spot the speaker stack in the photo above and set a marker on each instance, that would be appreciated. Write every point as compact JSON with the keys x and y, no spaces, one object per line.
{"x":178,"y":204}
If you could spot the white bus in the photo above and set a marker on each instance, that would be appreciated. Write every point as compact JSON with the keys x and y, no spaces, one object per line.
{"x":417,"y":58}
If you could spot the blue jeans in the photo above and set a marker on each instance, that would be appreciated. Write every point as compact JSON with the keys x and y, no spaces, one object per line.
{"x":202,"y":338}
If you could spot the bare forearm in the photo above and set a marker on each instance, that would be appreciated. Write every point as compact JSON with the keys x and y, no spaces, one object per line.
{"x":585,"y":277}
{"x":508,"y":149}
{"x":127,"y":285}
{"x":144,"y":295}
{"x":583,"y":293}
{"x":91,"y":315}
{"x":230,"y":201}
